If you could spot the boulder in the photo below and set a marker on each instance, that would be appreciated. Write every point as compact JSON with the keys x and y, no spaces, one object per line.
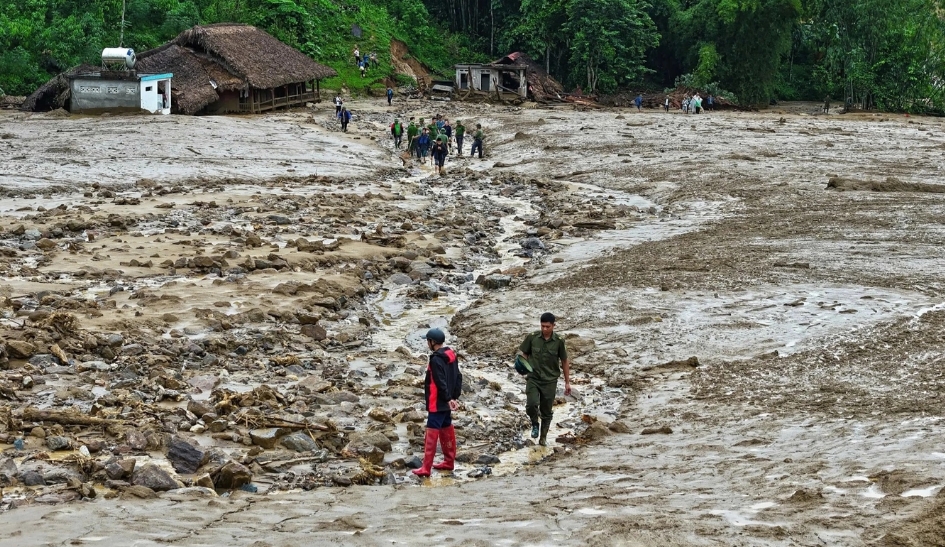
{"x":19,"y":349}
{"x":373,"y":438}
{"x":494,"y":281}
{"x":299,"y":442}
{"x":155,"y":478}
{"x":315,"y":332}
{"x":361,"y":449}
{"x":186,"y":457}
{"x":266,"y":438}
{"x":58,"y":443}
{"x":232,"y":475}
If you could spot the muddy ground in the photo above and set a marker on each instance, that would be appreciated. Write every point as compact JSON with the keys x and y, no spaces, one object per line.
{"x":213,"y":328}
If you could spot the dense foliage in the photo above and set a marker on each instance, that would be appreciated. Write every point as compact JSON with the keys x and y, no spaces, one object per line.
{"x":874,"y":53}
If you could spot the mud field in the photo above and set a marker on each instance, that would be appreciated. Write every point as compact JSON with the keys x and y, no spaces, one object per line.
{"x":212,"y":328}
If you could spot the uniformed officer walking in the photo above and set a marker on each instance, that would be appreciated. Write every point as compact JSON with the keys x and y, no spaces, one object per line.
{"x":544,"y":350}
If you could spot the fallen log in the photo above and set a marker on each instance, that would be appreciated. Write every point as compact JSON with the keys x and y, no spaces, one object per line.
{"x":64,"y":417}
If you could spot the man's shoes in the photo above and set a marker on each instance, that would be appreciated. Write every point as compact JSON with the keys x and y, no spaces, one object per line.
{"x":534,"y":431}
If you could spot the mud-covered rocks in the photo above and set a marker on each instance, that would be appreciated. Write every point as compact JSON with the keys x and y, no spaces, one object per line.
{"x":19,"y":349}
{"x":299,"y":442}
{"x":232,"y":475}
{"x":156,"y":478}
{"x":186,"y":457}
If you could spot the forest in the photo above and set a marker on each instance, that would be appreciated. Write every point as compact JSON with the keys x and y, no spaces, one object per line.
{"x":873,"y":53}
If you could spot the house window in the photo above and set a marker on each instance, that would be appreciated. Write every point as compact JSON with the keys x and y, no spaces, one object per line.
{"x":148,"y":88}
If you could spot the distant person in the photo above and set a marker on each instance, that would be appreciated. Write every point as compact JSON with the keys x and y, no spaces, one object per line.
{"x":374,"y":59}
{"x":666,"y":104}
{"x":345,"y":118}
{"x":397,"y":131}
{"x":639,"y":102}
{"x":367,"y":61}
{"x":696,"y":104}
{"x":710,"y":102}
{"x":448,"y":131}
{"x":357,"y":54}
{"x":440,"y":151}
{"x":423,"y":145}
{"x":460,"y":132}
{"x":390,"y":96}
{"x":544,"y":350}
{"x":361,"y":68}
{"x":442,"y":386}
{"x":827,"y":104}
{"x":412,"y":133}
{"x":477,"y":142}
{"x":685,"y":104}
{"x":338,"y":103}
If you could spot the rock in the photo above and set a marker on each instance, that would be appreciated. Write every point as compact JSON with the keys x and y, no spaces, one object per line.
{"x":619,"y":427}
{"x":203,"y":262}
{"x":132,"y":349}
{"x":19,"y":349}
{"x":341,"y":481}
{"x":55,"y":498}
{"x":46,"y":244}
{"x":494,"y":281}
{"x":199,"y":408}
{"x":414,"y":416}
{"x":597,"y":430}
{"x":43,"y":360}
{"x":373,"y":438}
{"x":138,"y":491}
{"x":232,"y":475}
{"x":533,"y":243}
{"x":414,"y":463}
{"x":400,"y":279}
{"x":114,"y":340}
{"x":120,"y":469}
{"x":361,"y":449}
{"x":336,"y":397}
{"x":31,"y":478}
{"x":664,"y":430}
{"x":186,"y":457}
{"x":379,"y":414}
{"x":155,"y":478}
{"x":204,"y":480}
{"x":136,"y":440}
{"x":487,"y":459}
{"x":314,"y":332}
{"x":299,"y":442}
{"x":7,"y":470}
{"x":191,"y":492}
{"x":266,"y":438}
{"x":58,"y":443}
{"x":307,"y":317}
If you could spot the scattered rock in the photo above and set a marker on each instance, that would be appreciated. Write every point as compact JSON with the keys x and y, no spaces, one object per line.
{"x":314,"y":332}
{"x":299,"y":442}
{"x":19,"y":349}
{"x":232,"y":475}
{"x":266,"y":438}
{"x":186,"y":457}
{"x":58,"y":443}
{"x":155,"y":478}
{"x":663,"y":430}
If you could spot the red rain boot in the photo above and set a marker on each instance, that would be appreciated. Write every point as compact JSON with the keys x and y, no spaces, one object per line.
{"x":429,"y":450}
{"x":448,"y":443}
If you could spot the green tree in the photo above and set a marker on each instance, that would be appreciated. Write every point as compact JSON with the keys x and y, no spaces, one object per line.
{"x":541,"y":26}
{"x":609,"y":41}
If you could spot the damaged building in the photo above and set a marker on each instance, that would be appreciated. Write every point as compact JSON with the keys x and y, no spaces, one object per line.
{"x":512,"y":76}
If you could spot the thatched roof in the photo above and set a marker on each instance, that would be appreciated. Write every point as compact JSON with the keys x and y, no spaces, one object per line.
{"x":55,"y":93}
{"x":255,"y":56}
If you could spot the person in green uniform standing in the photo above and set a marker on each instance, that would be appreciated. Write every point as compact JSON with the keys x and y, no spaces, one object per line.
{"x":412,"y":133}
{"x":546,"y":353}
{"x":460,"y":131}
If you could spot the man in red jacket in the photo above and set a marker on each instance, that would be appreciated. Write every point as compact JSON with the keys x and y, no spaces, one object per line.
{"x":441,"y":389}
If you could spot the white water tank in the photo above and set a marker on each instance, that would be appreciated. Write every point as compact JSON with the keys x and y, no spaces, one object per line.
{"x":119,"y":55}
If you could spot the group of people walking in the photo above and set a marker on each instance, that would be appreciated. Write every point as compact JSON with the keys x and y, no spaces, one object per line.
{"x":366,"y":61}
{"x":435,"y":140}
{"x":546,"y":356}
{"x":693,"y":104}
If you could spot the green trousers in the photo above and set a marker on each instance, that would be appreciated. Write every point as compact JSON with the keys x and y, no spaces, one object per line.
{"x":539,"y":398}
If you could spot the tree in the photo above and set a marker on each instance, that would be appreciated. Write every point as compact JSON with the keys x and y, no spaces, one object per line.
{"x":541,"y":26}
{"x":609,"y":40}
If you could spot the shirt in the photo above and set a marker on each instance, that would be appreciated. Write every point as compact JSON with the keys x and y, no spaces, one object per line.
{"x":544,"y":356}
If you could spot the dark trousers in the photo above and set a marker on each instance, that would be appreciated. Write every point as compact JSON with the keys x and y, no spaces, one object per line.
{"x":539,"y":398}
{"x":477,"y":143}
{"x":459,"y":143}
{"x":389,"y":99}
{"x":344,"y":124}
{"x":397,"y":139}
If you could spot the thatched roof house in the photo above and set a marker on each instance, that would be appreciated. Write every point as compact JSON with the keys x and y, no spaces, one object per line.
{"x":55,"y":93}
{"x":230,"y":67}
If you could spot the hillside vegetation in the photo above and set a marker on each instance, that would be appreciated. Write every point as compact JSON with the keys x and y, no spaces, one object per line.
{"x":874,"y":53}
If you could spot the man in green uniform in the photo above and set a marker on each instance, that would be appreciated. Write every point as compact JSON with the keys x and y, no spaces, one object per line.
{"x":460,"y":131}
{"x":543,"y":350}
{"x":412,"y":133}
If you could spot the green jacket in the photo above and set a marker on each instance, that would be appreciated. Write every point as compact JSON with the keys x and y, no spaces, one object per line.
{"x":434,"y":131}
{"x":460,"y":130}
{"x":412,"y":130}
{"x":478,"y":135}
{"x":544,"y":356}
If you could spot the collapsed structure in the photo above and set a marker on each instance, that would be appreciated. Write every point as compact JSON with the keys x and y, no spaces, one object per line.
{"x":514,"y":75}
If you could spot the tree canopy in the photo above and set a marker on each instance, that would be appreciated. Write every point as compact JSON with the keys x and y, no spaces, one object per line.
{"x":870,"y":52}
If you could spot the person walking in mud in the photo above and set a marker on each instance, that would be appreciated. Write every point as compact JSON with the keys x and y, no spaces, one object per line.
{"x":477,"y":142}
{"x":423,"y":145}
{"x":666,"y":104}
{"x":544,"y":350}
{"x":412,"y":133}
{"x":345,"y":118}
{"x":390,"y":96}
{"x":440,"y":151}
{"x":639,"y":102}
{"x":442,"y":386}
{"x":460,"y":132}
{"x":357,"y":54}
{"x":827,"y":104}
{"x":397,"y":131}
